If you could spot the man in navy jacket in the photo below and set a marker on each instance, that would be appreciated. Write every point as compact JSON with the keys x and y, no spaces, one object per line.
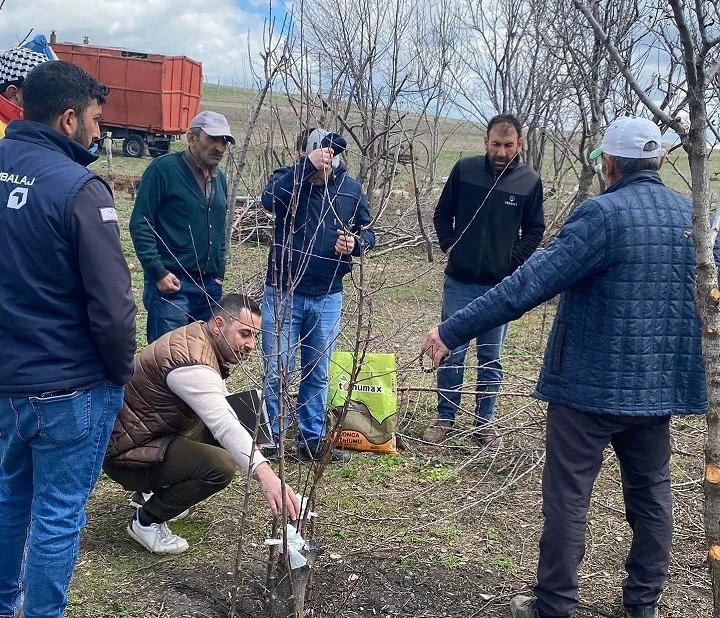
{"x":322,"y":219}
{"x":623,"y":356}
{"x":66,"y":330}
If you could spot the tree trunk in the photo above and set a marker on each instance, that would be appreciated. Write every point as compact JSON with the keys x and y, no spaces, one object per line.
{"x":587,"y":175}
{"x":287,"y":593}
{"x":708,"y":296}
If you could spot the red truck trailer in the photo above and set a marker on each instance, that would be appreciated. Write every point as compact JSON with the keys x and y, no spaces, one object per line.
{"x":152,"y":97}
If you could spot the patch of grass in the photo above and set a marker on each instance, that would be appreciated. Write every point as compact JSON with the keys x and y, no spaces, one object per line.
{"x":391,"y":461}
{"x":380,"y":476}
{"x":495,"y":534}
{"x":437,"y":474}
{"x":348,"y":473}
{"x":452,"y":533}
{"x":451,"y":561}
{"x":408,"y":561}
{"x":503,"y":563}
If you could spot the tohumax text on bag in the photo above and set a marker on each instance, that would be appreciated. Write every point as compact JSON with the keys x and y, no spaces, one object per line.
{"x":371,"y":418}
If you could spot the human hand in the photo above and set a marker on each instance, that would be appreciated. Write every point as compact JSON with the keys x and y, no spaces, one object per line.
{"x":321,"y":159}
{"x":272,"y":490}
{"x":169,"y":284}
{"x":345,"y":243}
{"x":434,"y":348}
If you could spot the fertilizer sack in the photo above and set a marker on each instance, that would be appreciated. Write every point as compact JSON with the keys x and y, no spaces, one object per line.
{"x":371,"y":418}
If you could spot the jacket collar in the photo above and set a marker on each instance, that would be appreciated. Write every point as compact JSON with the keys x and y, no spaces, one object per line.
{"x":44,"y":135}
{"x":513,"y":165}
{"x":644,"y":176}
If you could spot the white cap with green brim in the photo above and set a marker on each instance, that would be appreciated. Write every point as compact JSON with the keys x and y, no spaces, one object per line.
{"x":629,"y":137}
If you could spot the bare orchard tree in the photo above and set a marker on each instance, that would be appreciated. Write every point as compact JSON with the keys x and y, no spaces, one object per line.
{"x":589,"y":84}
{"x":693,"y":28}
{"x":275,"y":55}
{"x":362,"y":70}
{"x":383,"y":81}
{"x":436,"y":52}
{"x":508,"y":70}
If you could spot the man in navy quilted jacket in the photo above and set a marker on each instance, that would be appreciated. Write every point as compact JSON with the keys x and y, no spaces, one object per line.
{"x":624,"y":355}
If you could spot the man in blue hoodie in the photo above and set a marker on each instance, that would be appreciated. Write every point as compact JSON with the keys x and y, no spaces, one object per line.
{"x":66,"y":330}
{"x":322,"y":219}
{"x":624,"y":355}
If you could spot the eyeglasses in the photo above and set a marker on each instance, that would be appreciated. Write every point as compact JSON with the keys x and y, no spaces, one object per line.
{"x":218,"y":139}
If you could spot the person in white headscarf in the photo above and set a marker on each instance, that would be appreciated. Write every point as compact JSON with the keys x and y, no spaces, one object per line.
{"x":15,"y":64}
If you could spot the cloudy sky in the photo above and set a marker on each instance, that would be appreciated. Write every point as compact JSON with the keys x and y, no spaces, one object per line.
{"x":212,"y":31}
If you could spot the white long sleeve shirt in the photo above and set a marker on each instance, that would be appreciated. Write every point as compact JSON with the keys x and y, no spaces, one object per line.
{"x":202,"y":388}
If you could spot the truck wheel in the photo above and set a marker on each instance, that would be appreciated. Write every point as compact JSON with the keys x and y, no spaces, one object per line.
{"x":159,"y":148}
{"x":133,"y":146}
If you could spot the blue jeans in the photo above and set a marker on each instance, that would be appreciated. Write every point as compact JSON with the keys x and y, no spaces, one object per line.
{"x":195,"y":300}
{"x":51,"y":450}
{"x":451,"y":374}
{"x":312,"y":324}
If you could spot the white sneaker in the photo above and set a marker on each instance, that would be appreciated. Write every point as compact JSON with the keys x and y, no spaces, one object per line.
{"x":139,"y":498}
{"x":156,"y":538}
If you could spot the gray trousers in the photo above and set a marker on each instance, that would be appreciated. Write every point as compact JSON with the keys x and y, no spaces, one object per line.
{"x":574,"y":448}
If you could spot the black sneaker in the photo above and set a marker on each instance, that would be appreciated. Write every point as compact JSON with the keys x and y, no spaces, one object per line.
{"x":641,"y":611}
{"x":337,"y":455}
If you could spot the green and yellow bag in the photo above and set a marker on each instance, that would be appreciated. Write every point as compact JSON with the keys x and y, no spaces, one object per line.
{"x":371,"y":418}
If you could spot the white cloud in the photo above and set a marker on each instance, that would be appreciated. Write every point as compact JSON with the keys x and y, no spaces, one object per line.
{"x":214,"y":32}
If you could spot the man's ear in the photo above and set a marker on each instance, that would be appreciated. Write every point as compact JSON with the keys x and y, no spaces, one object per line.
{"x":12,"y":94}
{"x":67,"y":123}
{"x":216,"y":324}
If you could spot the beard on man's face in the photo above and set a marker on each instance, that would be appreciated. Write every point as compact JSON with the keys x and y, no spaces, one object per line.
{"x":82,"y":136}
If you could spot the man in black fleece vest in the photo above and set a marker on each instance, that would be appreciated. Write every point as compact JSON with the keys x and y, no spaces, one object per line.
{"x":489,"y":220}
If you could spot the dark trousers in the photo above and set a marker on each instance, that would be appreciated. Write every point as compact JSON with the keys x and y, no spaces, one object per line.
{"x":191,"y":471}
{"x":574,"y":449}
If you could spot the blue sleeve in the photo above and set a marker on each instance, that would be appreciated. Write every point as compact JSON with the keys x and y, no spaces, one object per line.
{"x":579,"y":250}
{"x":111,"y":308}
{"x":279,"y":191}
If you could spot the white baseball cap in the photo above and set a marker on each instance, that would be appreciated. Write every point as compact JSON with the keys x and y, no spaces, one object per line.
{"x":628,"y":137}
{"x":314,"y":141}
{"x":214,"y":124}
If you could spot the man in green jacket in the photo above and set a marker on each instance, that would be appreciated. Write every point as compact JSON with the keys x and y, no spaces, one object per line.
{"x":178,"y":228}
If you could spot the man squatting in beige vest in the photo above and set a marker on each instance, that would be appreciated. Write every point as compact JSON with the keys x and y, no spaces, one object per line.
{"x":178,"y":386}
